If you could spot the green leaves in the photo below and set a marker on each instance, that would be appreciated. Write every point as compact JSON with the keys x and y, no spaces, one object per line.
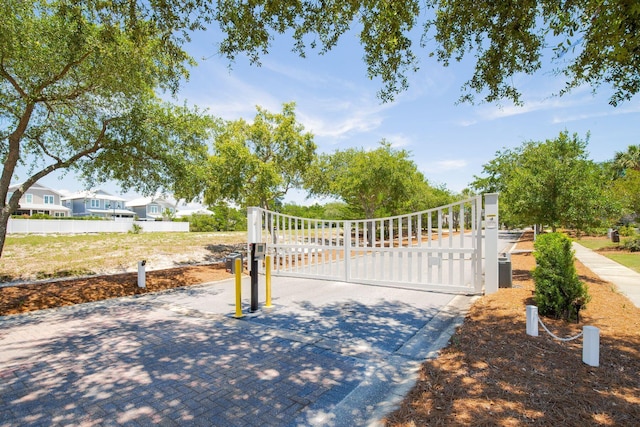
{"x":373,"y":183}
{"x":559,"y":292}
{"x":504,"y":37}
{"x":590,"y":42}
{"x":256,"y":164}
{"x":550,"y":183}
{"x":78,"y":82}
{"x":384,"y":27}
{"x":155,"y":146}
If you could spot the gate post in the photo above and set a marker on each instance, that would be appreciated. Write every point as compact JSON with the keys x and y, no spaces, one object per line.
{"x":347,"y":250}
{"x":477,"y":227}
{"x":254,"y":225}
{"x":254,"y":229}
{"x":491,"y":243}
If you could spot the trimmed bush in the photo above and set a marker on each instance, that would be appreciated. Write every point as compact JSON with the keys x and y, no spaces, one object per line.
{"x":559,"y":292}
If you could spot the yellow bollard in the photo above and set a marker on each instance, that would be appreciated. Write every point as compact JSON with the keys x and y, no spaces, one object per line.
{"x":238,"y":269}
{"x":267,"y":275}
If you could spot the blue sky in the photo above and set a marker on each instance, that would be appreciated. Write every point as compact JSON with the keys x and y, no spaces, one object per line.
{"x":337,"y":103}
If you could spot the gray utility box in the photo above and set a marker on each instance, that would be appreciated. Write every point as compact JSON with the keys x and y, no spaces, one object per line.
{"x":504,"y":271}
{"x":230,"y":262}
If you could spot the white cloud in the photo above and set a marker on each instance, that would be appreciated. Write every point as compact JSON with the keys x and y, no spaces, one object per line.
{"x":300,"y":75}
{"x":597,"y":114}
{"x":398,"y":140}
{"x":334,"y":108}
{"x":339,"y":118}
{"x":466,"y":122}
{"x":227,"y":96}
{"x":499,"y":112}
{"x":444,"y":166}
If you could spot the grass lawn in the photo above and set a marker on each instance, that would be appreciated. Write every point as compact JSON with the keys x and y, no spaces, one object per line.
{"x":631,"y":260}
{"x":628,"y":259}
{"x":595,"y":244}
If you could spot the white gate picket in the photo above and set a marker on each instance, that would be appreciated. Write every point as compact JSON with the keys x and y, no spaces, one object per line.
{"x":410,"y":250}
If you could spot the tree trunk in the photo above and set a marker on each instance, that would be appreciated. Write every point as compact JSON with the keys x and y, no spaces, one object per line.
{"x":370,"y":231}
{"x":5,"y":214}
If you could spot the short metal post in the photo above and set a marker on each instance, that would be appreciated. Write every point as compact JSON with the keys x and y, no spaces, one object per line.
{"x":591,"y":345}
{"x":267,"y":260}
{"x":142,"y":279}
{"x":238,"y":270}
{"x":532,"y":320}
{"x":254,"y":279}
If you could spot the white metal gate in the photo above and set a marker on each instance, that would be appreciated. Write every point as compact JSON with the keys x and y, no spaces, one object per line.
{"x":438,"y":249}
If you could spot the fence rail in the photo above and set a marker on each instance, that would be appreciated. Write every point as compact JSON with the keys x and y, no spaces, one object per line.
{"x":58,"y":226}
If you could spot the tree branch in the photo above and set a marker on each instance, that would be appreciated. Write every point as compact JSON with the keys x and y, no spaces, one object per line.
{"x":71,"y":160}
{"x":61,"y":74}
{"x":4,"y":73}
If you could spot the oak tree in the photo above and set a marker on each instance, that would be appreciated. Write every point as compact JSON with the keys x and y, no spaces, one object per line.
{"x":549,"y":183}
{"x":78,"y":83}
{"x":256,"y":164}
{"x":373,"y":183}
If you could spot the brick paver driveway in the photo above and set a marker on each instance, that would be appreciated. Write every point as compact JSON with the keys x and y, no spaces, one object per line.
{"x":326,"y":354}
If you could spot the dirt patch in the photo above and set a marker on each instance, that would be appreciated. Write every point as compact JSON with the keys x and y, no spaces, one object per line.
{"x":493,"y":373}
{"x":616,"y":249}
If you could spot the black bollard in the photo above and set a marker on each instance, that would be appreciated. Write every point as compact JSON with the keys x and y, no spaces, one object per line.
{"x":254,"y":279}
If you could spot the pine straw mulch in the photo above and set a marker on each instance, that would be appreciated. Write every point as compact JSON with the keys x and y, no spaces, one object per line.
{"x":38,"y":296}
{"x":493,"y":373}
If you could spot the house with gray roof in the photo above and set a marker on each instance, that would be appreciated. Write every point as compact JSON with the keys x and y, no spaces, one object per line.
{"x":152,"y":208}
{"x":97,"y":203}
{"x":39,"y":199}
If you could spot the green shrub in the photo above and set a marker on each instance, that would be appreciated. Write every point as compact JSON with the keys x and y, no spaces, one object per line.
{"x":596,"y":231}
{"x":559,"y":292}
{"x":632,"y":244}
{"x":135,"y":229}
{"x":203,"y":223}
{"x":41,"y":216}
{"x":628,"y":230}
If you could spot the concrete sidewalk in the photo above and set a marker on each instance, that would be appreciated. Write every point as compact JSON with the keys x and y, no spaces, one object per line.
{"x":627,"y":280}
{"x":326,"y":354}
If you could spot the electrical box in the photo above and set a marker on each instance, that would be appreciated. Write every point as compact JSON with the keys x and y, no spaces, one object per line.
{"x":230,"y":262}
{"x":260,"y":249}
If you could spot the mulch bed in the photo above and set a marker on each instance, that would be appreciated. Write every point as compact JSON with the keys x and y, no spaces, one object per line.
{"x":38,"y":296}
{"x":493,"y":373}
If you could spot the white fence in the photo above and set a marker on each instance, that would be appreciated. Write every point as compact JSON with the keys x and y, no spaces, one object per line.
{"x":437,"y":249}
{"x":60,"y":226}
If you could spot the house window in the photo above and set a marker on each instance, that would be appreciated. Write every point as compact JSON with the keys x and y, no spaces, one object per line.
{"x":153,"y":209}
{"x":49,"y":200}
{"x":95,"y":203}
{"x":28,"y":198}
